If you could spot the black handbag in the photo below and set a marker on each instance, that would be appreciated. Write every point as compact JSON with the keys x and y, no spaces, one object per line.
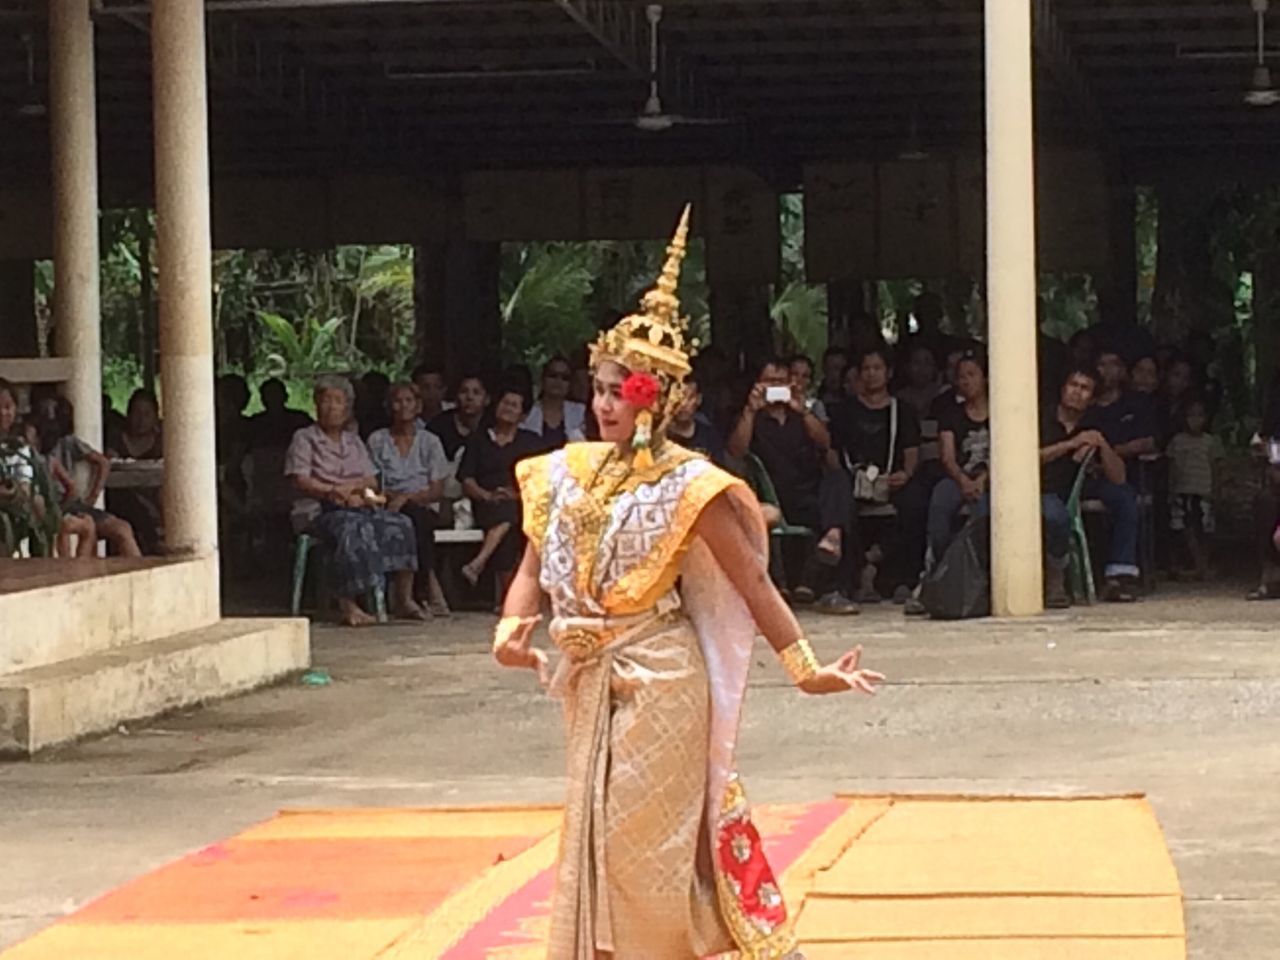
{"x":959,"y":585}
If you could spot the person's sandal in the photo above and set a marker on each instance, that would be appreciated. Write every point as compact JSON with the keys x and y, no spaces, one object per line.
{"x":1264,"y":592}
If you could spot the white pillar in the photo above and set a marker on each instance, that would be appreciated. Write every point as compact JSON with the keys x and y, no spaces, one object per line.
{"x":73,"y":143}
{"x":183,"y":255}
{"x":1016,"y":556}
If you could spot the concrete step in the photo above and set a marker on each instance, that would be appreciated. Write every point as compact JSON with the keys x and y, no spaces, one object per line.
{"x":52,"y":704}
{"x":57,"y":610}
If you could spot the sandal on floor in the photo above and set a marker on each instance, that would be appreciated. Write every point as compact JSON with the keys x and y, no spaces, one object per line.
{"x":1265,"y":592}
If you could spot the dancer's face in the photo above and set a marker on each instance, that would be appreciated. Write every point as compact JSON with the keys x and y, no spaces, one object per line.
{"x":616,"y":417}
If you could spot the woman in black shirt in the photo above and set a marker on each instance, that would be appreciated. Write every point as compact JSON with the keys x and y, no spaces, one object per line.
{"x":488,"y":477}
{"x":965,"y":436}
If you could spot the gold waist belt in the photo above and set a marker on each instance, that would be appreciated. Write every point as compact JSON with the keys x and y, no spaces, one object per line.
{"x":585,"y":638}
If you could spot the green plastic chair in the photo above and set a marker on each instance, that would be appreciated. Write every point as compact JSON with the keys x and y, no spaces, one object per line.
{"x":301,"y":556}
{"x":1082,"y":585}
{"x":760,"y":481}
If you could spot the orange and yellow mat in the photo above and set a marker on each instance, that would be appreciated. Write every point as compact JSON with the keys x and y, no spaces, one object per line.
{"x":866,"y":877}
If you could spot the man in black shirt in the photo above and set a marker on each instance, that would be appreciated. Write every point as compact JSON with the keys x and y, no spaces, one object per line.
{"x":691,"y":431}
{"x":1126,"y":419}
{"x":1065,"y":443}
{"x":792,"y":445}
{"x":453,"y":427}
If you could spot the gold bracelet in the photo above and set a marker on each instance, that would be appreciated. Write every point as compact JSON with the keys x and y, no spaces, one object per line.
{"x":508,"y":627}
{"x":799,"y":661}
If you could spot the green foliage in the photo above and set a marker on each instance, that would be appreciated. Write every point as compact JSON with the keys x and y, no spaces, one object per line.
{"x":544,"y":292}
{"x":302,"y":349}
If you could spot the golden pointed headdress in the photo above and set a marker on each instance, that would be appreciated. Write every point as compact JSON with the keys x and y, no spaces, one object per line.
{"x":653,"y":340}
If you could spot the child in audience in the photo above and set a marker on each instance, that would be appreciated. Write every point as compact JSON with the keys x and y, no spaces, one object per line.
{"x":1195,"y":458}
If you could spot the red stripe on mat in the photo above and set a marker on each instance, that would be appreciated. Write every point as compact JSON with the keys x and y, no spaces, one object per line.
{"x":521,"y":919}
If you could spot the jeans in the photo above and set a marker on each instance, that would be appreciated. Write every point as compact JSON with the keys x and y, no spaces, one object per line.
{"x":944,"y":504}
{"x":1121,"y":502}
{"x":947,"y":501}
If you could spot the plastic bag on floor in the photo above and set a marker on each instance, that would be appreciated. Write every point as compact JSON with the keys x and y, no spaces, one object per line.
{"x":959,"y":586}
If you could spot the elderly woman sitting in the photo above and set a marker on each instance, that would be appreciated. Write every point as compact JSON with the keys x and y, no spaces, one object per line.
{"x":330,"y":465}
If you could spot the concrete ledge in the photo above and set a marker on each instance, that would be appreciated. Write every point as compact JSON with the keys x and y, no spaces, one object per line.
{"x":52,"y":704}
{"x":57,"y":610}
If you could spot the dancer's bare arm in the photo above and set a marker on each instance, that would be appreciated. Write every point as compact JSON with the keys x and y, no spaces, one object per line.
{"x":513,"y":640}
{"x":720,"y":529}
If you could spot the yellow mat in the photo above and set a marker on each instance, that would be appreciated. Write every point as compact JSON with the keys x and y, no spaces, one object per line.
{"x":867,"y":877}
{"x":990,"y":879}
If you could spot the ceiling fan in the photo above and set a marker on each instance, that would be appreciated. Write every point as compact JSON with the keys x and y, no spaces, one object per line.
{"x":1261,"y":93}
{"x":653,"y":118}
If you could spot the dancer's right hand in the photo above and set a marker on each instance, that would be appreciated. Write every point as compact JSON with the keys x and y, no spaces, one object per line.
{"x":513,"y":647}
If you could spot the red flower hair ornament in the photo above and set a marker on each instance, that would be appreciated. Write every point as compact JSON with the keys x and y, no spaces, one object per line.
{"x":641,"y":390}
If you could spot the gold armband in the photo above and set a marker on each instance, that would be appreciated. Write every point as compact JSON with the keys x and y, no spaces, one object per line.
{"x":508,"y":627}
{"x":799,"y":662}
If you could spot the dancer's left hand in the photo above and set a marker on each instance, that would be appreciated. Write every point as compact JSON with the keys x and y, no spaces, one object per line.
{"x":842,"y":675}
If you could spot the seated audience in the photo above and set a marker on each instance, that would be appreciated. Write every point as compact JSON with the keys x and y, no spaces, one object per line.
{"x":835,"y":363}
{"x":488,"y":477}
{"x":113,"y":422}
{"x":371,"y":402}
{"x":802,"y":381}
{"x":431,"y":386}
{"x":877,"y":441}
{"x":1144,"y":378}
{"x":231,"y":439}
{"x":142,"y":439}
{"x":692,"y":432}
{"x":275,"y":426}
{"x":792,"y":444}
{"x":1127,"y":420}
{"x":455,"y":426}
{"x":23,"y":480}
{"x":411,"y":463}
{"x":1195,"y":460}
{"x":330,"y":468}
{"x":923,"y":384}
{"x":68,"y":454}
{"x":1065,"y":443}
{"x":965,"y":440}
{"x":554,"y":417}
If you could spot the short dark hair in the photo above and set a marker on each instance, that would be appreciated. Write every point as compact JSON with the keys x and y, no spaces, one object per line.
{"x":423,"y":369}
{"x":774,"y":361}
{"x":977,"y":357}
{"x":1078,"y":370}
{"x":879,"y":350}
{"x":801,"y":358}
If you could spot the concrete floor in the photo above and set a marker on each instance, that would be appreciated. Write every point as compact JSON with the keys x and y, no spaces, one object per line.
{"x":1178,"y":699}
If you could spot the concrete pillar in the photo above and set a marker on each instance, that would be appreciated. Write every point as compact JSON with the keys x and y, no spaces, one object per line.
{"x":73,"y":143}
{"x":18,"y":334}
{"x":184,"y":258}
{"x":1016,"y":574}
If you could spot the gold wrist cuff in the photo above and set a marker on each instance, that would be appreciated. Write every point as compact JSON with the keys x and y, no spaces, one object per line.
{"x":799,"y":661}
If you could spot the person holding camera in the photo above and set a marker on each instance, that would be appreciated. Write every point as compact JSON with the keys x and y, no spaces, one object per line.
{"x":791,"y":443}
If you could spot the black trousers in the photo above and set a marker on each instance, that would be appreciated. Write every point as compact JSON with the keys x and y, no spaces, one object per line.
{"x":425,"y":524}
{"x":826,"y":506}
